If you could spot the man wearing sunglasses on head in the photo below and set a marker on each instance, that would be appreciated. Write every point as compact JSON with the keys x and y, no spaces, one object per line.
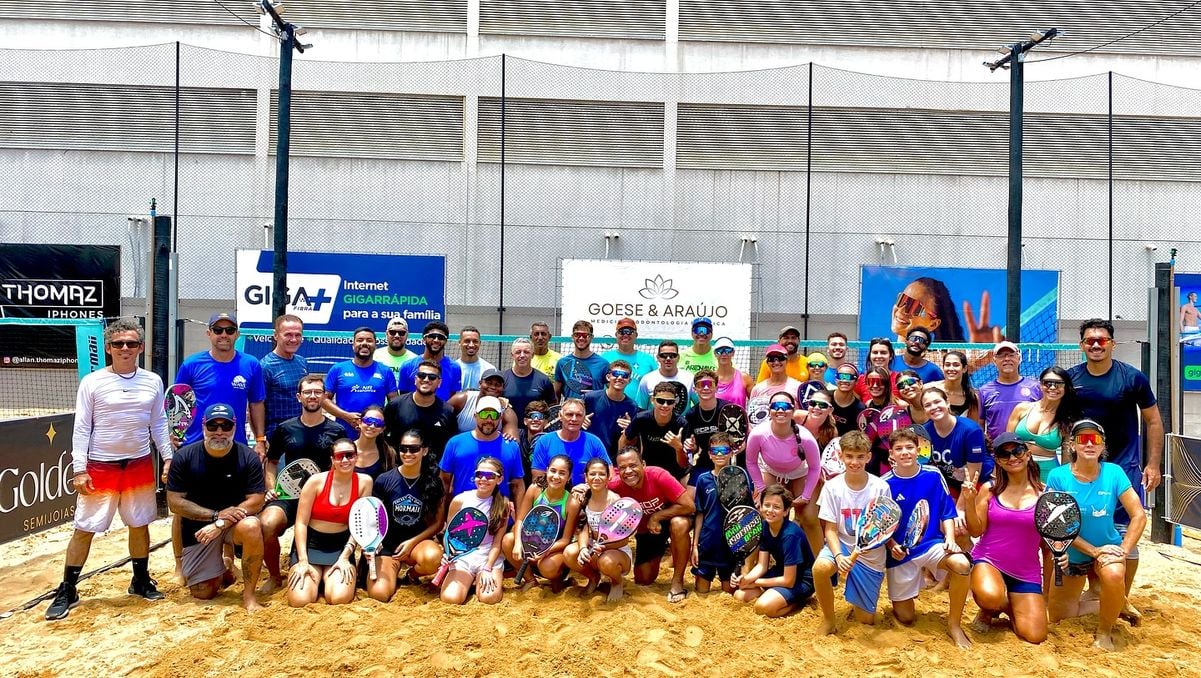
{"x":699,"y":356}
{"x":641,"y":364}
{"x":224,"y":375}
{"x":1116,"y":395}
{"x":465,"y":450}
{"x":395,"y":352}
{"x":216,"y":486}
{"x":435,"y":335}
{"x":352,"y":386}
{"x":669,"y":370}
{"x":423,"y":410}
{"x":917,"y":342}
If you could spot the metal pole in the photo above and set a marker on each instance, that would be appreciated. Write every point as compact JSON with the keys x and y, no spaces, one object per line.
{"x":808,"y":196}
{"x":500,"y":308}
{"x":1109,"y":119}
{"x":175,"y":190}
{"x":279,"y":264}
{"x":1013,"y":268}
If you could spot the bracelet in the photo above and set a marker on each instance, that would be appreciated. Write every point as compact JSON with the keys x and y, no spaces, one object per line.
{"x":260,"y":439}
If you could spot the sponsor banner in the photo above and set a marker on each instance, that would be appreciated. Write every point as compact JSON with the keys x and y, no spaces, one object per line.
{"x":35,"y":475}
{"x":1183,"y":481}
{"x":340,"y":292}
{"x":662,"y":297}
{"x":1187,"y":320}
{"x":65,"y":282}
{"x":957,"y":304}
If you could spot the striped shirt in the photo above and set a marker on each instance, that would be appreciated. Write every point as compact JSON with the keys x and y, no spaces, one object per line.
{"x":281,"y":377}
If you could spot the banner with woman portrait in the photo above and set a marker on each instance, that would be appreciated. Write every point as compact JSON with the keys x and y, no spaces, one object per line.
{"x":959,"y":305}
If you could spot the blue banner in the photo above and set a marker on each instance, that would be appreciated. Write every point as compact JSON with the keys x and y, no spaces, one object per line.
{"x":1188,"y":321}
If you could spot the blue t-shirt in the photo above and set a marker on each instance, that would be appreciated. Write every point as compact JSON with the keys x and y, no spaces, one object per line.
{"x":641,"y":364}
{"x":577,"y":376}
{"x":281,"y":376}
{"x":521,"y":391}
{"x":1098,"y":500}
{"x":928,"y":372}
{"x":1114,"y":400}
{"x":929,"y":484}
{"x":471,"y":372}
{"x":712,"y":548}
{"x":452,"y":377}
{"x":789,"y":547}
{"x":463,"y":452}
{"x":952,"y":454}
{"x":605,"y":413}
{"x":580,"y":450}
{"x":355,"y":388}
{"x":236,"y":383}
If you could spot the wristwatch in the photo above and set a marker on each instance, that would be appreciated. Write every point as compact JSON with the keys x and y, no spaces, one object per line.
{"x":214,"y":518}
{"x":220,"y":523}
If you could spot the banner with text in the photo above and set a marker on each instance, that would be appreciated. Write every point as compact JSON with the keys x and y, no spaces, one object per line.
{"x":1189,"y":321}
{"x":662,"y":297}
{"x":35,"y":475}
{"x":339,"y":292}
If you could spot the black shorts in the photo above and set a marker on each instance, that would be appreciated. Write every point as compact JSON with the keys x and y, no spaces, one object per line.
{"x":289,"y":507}
{"x":649,"y":547}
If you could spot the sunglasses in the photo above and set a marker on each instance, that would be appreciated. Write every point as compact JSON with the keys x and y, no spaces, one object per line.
{"x":228,"y":329}
{"x":907,"y":382}
{"x":1052,"y":383}
{"x":580,"y":335}
{"x":719,"y":450}
{"x":844,"y":376}
{"x":874,"y":383}
{"x":668,"y":356}
{"x":775,"y":359}
{"x":619,"y":374}
{"x":397,"y":333}
{"x":1009,"y":452}
{"x":125,"y":344}
{"x":1097,"y":341}
{"x":488,"y":415}
{"x":436,"y":336}
{"x":536,"y":416}
{"x":912,"y":307}
{"x":781,"y":406}
{"x":373,"y":421}
{"x":667,"y":402}
{"x":724,"y":351}
{"x":702,"y":331}
{"x":1089,"y":439}
{"x":706,"y":383}
{"x":918,"y":339}
{"x":428,"y":376}
{"x":816,"y":366}
{"x":345,"y":456}
{"x":626,"y":332}
{"x":486,"y":475}
{"x":222,"y":425}
{"x":408,"y":449}
{"x":818,"y":405}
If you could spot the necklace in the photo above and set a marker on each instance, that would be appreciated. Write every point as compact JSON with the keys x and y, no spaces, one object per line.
{"x":701,"y":414}
{"x":410,"y":483}
{"x":131,"y":374}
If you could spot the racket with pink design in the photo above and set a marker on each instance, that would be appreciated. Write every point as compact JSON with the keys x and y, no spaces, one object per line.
{"x":618,"y":521}
{"x":180,"y":404}
{"x":464,"y":533}
{"x":368,"y":526}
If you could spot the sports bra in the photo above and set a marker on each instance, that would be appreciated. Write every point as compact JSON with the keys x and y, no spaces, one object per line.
{"x":323,"y":510}
{"x":1050,"y":441}
{"x":560,"y":506}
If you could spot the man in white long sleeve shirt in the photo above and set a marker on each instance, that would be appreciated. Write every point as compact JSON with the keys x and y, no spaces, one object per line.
{"x":118,"y":411}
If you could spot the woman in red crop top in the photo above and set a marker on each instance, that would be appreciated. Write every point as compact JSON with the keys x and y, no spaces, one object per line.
{"x":322,"y":548}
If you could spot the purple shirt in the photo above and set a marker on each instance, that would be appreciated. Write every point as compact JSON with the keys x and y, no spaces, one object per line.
{"x":998,"y":400}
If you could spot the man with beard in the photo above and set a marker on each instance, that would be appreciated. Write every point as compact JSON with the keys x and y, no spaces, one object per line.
{"x":917,"y":342}
{"x":435,"y":336}
{"x":465,"y":450}
{"x":308,"y":436}
{"x":669,"y":370}
{"x":640,"y":364}
{"x":523,"y":383}
{"x":395,"y":352}
{"x":544,"y":359}
{"x":224,"y":375}
{"x":351,"y":386}
{"x":469,"y":360}
{"x":492,"y":383}
{"x":796,"y":364}
{"x":836,"y":355}
{"x":423,"y":410}
{"x":282,"y":371}
{"x":581,"y":371}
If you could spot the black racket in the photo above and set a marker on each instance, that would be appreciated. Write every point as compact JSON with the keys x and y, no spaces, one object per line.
{"x":1057,"y":519}
{"x":539,"y":530}
{"x":733,"y":486}
{"x":552,"y":419}
{"x":681,"y":392}
{"x":743,"y":529}
{"x":731,"y":419}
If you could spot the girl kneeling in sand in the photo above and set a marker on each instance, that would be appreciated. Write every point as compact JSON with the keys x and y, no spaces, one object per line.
{"x":611,"y":561}
{"x":550,"y":564}
{"x":483,"y":567}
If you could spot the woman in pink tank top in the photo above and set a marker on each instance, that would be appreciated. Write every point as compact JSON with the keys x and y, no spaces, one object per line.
{"x":1006,"y":573}
{"x":732,"y":385}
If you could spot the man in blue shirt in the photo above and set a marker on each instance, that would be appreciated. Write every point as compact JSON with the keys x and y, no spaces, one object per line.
{"x":917,"y":342}
{"x":571,"y":441}
{"x":224,"y":375}
{"x":640,"y":364}
{"x":465,"y":450}
{"x":282,"y":372}
{"x":581,"y":370}
{"x":351,"y":386}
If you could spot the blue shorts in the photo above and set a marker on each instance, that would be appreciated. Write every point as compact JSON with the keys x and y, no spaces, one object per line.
{"x":1015,"y":585}
{"x":705,"y":570}
{"x":796,"y":594}
{"x":863,"y":583}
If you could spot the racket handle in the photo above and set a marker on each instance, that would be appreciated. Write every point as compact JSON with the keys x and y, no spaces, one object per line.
{"x":1058,"y":575}
{"x":370,"y":555}
{"x":437,"y":580}
{"x":525,"y":563}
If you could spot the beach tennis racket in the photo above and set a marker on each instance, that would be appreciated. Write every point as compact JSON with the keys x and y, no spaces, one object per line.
{"x":733,"y":486}
{"x":867,"y":421}
{"x":368,"y":525}
{"x":464,"y":533}
{"x":681,"y":392}
{"x":832,"y":465}
{"x":807,"y":389}
{"x":743,"y":528}
{"x":180,"y":404}
{"x":553,"y":423}
{"x":1057,"y":519}
{"x":731,"y":419}
{"x":619,"y":520}
{"x":915,"y":528}
{"x":291,"y":478}
{"x":539,"y":530}
{"x":756,"y":410}
{"x":876,"y":524}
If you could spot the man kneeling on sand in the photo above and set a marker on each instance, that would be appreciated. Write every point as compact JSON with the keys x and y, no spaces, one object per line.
{"x":216,"y":486}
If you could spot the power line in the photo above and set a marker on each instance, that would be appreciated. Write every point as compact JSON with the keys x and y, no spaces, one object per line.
{"x":1119,"y":39}
{"x":254,"y":26}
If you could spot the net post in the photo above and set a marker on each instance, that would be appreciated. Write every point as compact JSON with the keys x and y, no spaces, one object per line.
{"x":1157,"y":353}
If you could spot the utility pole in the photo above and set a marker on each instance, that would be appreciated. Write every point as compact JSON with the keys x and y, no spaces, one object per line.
{"x":279,"y":266}
{"x":1014,"y":57}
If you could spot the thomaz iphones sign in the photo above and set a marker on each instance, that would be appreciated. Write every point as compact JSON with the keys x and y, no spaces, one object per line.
{"x":662,"y":297}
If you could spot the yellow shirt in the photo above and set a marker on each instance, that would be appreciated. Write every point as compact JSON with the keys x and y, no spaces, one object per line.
{"x":546,"y":363}
{"x":797,"y":367}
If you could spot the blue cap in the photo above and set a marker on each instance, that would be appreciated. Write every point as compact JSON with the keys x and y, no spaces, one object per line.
{"x":219,"y":411}
{"x":702,"y":321}
{"x":218,"y":317}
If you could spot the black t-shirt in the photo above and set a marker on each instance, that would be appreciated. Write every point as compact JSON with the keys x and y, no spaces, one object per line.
{"x":847,"y":418}
{"x":647,"y":435}
{"x":213,"y":482}
{"x":406,"y":508}
{"x":436,"y":422}
{"x":522,"y":391}
{"x":701,"y":424}
{"x":292,"y":440}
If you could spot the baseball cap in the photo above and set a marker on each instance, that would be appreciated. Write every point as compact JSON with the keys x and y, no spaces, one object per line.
{"x":627,"y":322}
{"x":398,"y":322}
{"x":488,"y":374}
{"x":1086,"y":425}
{"x":219,"y":411}
{"x":818,"y":357}
{"x":789,"y":328}
{"x":775,"y":348}
{"x":1005,"y":345}
{"x":1006,"y":438}
{"x":488,"y":403}
{"x":723,"y":342}
{"x":702,"y":321}
{"x":218,"y":317}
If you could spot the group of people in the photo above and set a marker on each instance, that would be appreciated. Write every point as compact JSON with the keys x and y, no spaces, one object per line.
{"x":430,"y":435}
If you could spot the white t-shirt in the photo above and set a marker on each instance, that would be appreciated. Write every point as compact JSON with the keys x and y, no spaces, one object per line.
{"x":842,"y":505}
{"x":115,"y":418}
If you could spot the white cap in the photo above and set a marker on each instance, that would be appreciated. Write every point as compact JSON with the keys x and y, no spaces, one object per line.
{"x":488,"y":403}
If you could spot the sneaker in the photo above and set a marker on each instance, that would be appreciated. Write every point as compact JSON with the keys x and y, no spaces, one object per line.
{"x":145,"y":588}
{"x":65,"y":598}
